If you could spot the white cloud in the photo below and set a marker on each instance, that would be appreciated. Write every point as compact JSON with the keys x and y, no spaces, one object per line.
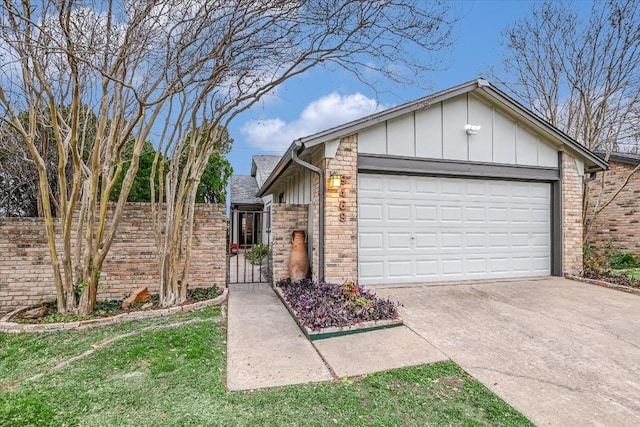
{"x":275,"y":135}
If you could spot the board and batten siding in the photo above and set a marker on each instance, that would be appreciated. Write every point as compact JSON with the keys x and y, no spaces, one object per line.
{"x":297,"y":189}
{"x":437,"y":132}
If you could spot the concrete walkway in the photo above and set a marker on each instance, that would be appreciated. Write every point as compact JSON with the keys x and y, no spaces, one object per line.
{"x":265,"y":347}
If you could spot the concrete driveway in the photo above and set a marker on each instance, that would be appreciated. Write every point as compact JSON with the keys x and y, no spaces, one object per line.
{"x":562,"y":352}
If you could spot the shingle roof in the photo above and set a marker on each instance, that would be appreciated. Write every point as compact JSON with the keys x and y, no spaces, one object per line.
{"x":617,"y":156}
{"x":243,"y":190}
{"x":265,"y":165}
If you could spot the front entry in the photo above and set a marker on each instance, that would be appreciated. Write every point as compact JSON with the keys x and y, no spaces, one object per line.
{"x":248,"y":253}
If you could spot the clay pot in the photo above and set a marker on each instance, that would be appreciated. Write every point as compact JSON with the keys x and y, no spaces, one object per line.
{"x":298,"y":260}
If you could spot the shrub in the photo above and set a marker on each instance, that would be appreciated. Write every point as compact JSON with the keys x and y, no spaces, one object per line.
{"x":592,"y":262}
{"x":321,"y":305}
{"x":257,"y":253}
{"x":620,"y":260}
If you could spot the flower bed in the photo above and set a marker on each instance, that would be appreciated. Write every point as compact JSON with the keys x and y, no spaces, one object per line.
{"x":46,"y":312}
{"x":616,"y":279}
{"x":327,"y":309}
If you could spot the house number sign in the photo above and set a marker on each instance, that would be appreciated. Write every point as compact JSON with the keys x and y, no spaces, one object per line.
{"x":342,"y":203}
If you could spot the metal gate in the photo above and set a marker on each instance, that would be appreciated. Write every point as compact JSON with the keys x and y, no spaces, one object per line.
{"x":248,"y":253}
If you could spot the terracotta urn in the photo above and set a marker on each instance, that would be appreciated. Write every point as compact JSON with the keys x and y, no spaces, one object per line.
{"x":298,"y":260}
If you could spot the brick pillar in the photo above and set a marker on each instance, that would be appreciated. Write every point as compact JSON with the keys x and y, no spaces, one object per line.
{"x":285,"y":219}
{"x":571,"y":216}
{"x":341,"y":215}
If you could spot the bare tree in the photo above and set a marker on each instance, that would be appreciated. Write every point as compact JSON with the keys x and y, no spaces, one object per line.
{"x":18,"y":177}
{"x":583,"y":76}
{"x":176,"y":71}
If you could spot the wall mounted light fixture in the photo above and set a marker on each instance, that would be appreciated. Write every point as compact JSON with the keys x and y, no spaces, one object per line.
{"x":334,"y":181}
{"x":472,"y":129}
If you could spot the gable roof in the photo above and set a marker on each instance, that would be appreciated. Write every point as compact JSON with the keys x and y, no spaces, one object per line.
{"x":264,"y":165}
{"x":481,"y":86}
{"x":243,"y":190}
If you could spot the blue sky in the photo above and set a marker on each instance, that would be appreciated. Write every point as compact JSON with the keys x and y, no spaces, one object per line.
{"x":319,"y":100}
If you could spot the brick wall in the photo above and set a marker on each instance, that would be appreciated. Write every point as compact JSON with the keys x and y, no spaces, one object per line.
{"x":26,"y":276}
{"x":571,"y":216}
{"x":618,"y":225}
{"x":285,"y":219}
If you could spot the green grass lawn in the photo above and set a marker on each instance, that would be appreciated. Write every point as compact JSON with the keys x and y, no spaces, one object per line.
{"x":634,"y":273}
{"x":175,"y":377}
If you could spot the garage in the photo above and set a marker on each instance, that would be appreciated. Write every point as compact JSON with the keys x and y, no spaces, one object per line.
{"x":428,"y":228}
{"x":464,"y":184}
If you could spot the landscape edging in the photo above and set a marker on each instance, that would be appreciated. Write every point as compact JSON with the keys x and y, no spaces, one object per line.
{"x":8,"y":327}
{"x":605,"y":284}
{"x":336,"y":331}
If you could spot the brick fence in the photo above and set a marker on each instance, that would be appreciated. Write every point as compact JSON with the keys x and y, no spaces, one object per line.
{"x":26,"y":276}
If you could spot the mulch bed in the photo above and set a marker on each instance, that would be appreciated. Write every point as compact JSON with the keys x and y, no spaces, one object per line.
{"x":615,"y":279}
{"x":46,"y":312}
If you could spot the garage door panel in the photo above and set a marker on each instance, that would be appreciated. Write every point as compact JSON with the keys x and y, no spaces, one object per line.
{"x":399,"y":241}
{"x":423,"y":187}
{"x":399,"y":269}
{"x":369,"y":212}
{"x":449,"y":214}
{"x":370,"y":240}
{"x":452,"y":266}
{"x":497,"y":215}
{"x":426,"y":214}
{"x":540,"y":240}
{"x":398,"y":186}
{"x":369,"y":185}
{"x":426,"y":240}
{"x":451,"y":240}
{"x":476,"y":265}
{"x":416,"y":230}
{"x":451,"y":188}
{"x":476,"y":240}
{"x":475,"y":214}
{"x":426,"y":268}
{"x":397,"y":213}
{"x":540,"y":216}
{"x":371,"y":271}
{"x":498,"y":241}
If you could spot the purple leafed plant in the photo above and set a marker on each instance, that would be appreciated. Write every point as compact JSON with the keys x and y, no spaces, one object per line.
{"x":321,"y":305}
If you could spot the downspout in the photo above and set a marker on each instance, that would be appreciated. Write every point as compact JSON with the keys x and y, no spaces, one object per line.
{"x":321,"y":197}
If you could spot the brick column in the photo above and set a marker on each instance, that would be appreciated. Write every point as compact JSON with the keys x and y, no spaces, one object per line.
{"x":571,"y":216}
{"x":341,"y":215}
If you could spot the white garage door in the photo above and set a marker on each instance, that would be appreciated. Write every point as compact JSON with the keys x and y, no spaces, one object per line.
{"x":424,"y":229}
